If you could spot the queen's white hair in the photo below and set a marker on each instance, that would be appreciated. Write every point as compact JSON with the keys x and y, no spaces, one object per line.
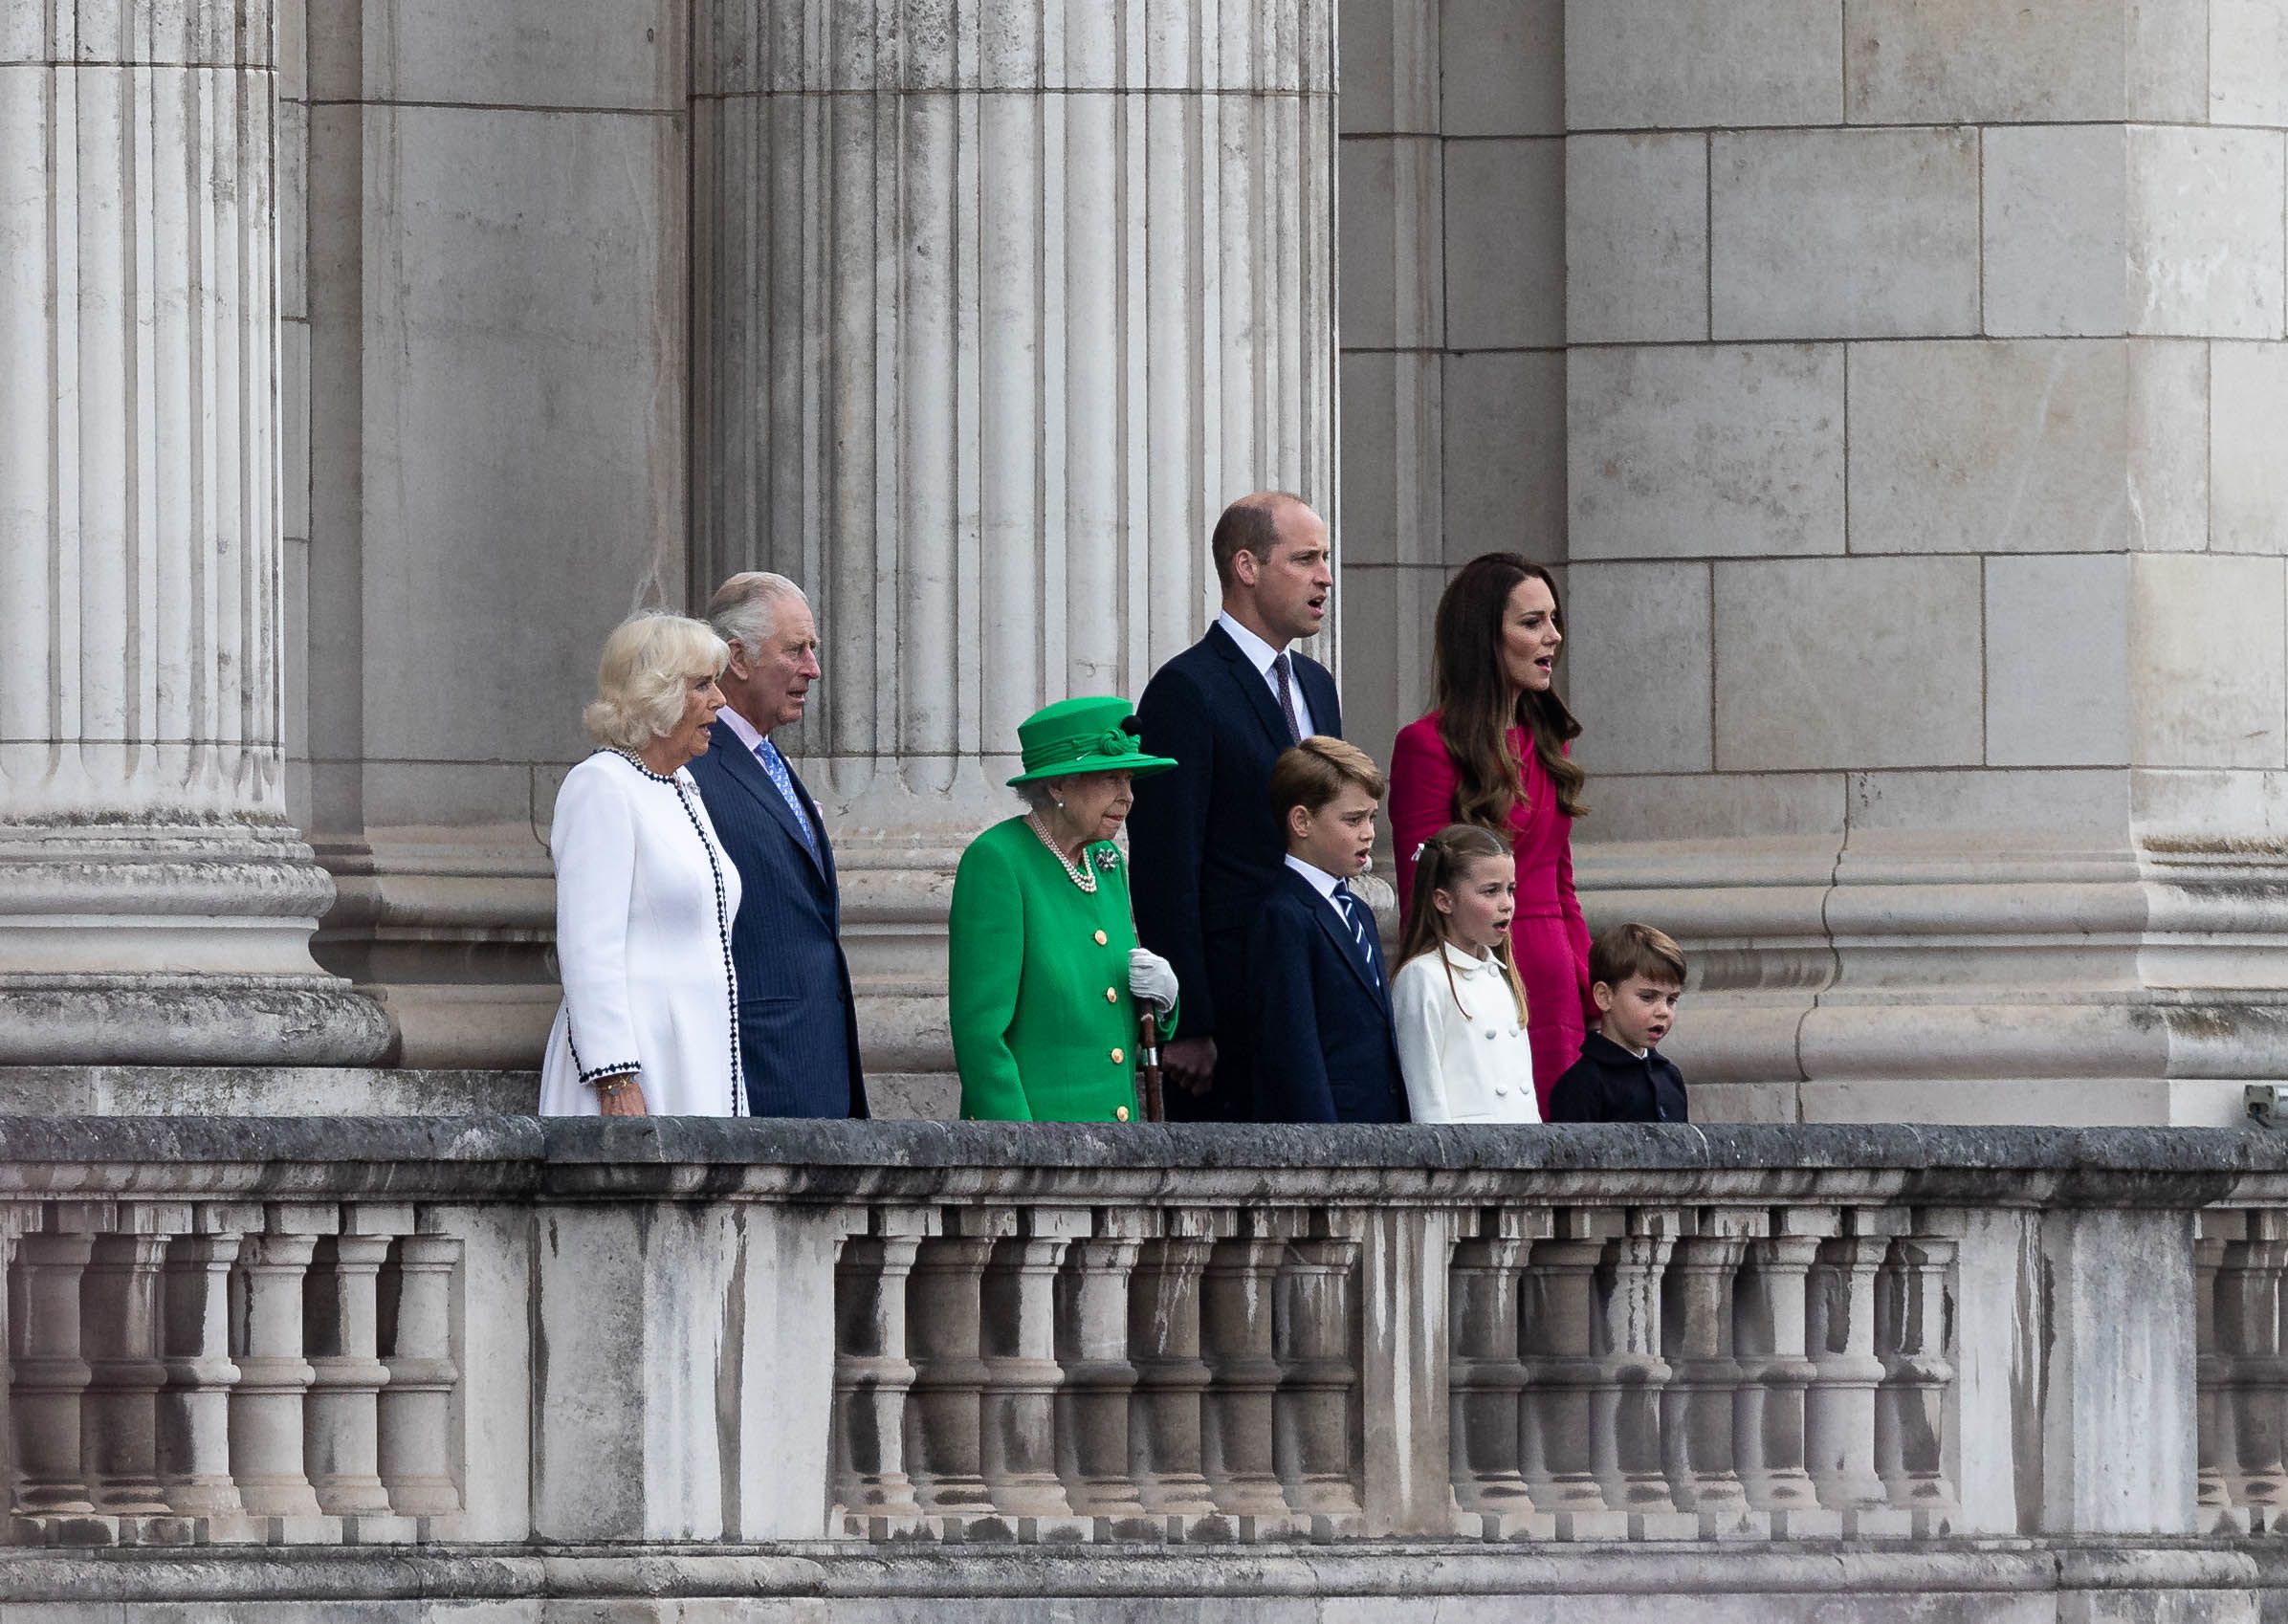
{"x":744,"y":609}
{"x":647,"y":666}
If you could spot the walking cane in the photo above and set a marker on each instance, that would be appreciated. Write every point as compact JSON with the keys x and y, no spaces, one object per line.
{"x":1148,"y":1051}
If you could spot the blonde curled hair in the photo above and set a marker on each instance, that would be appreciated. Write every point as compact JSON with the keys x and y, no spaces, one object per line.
{"x":648,"y":661}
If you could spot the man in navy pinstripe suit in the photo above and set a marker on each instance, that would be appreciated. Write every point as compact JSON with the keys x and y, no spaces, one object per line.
{"x":798,"y":1030}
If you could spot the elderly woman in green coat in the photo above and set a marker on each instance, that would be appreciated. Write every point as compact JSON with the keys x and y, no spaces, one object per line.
{"x":1045,"y":975}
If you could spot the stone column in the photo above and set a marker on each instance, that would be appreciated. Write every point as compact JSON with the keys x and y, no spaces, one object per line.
{"x":1099,"y":1378}
{"x":154,"y":904}
{"x":996,"y":304}
{"x":414,"y":1440}
{"x":1925,"y":535}
{"x":194,"y":1406}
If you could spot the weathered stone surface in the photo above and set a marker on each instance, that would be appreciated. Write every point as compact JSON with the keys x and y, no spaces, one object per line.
{"x":1843,"y":233}
{"x":2056,"y":626}
{"x":1642,"y":665}
{"x":2034,"y":447}
{"x":1683,"y":451}
{"x":2248,"y":479}
{"x":2209,"y":687}
{"x":1967,"y":61}
{"x":1636,"y":238}
{"x":1847,"y":663}
{"x":1501,"y":66}
{"x":1632,"y":64}
{"x":1506,"y":244}
{"x":1502,"y":457}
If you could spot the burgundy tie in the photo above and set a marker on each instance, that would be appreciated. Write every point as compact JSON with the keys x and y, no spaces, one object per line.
{"x":1287,"y":700}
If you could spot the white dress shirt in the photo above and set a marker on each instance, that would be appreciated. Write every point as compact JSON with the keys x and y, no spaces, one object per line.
{"x":1260,"y":654}
{"x":1470,"y":1062}
{"x":1323,"y":884}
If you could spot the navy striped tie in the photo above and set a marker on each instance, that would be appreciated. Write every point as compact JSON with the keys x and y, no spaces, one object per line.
{"x":1355,"y":912}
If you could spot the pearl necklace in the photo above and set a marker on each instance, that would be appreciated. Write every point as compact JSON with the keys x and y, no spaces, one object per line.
{"x":1083,"y":875}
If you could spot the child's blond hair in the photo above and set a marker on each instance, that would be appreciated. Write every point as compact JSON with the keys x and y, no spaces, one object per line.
{"x":1441,"y":865}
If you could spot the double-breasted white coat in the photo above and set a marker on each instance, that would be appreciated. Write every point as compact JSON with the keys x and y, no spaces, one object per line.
{"x":1470,"y":1060}
{"x":645,"y":896}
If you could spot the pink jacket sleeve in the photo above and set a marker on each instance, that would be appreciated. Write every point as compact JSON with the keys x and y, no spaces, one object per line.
{"x":1576,"y":929}
{"x":1421,"y":798}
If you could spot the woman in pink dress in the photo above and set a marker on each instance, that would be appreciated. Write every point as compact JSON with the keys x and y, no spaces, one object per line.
{"x":1494,"y":753}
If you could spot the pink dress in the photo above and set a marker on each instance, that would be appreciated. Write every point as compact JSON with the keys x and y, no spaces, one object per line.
{"x":1547,"y":934}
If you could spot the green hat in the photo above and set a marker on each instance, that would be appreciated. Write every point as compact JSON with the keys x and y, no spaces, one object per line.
{"x":1095,"y":735}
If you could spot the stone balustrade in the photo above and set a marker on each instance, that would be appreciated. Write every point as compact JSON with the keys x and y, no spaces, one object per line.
{"x":499,"y":1331}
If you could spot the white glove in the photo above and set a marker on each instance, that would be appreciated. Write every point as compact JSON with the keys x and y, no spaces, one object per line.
{"x":1152,"y":978}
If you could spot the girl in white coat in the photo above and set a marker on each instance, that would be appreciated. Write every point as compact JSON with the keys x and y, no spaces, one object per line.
{"x":1457,"y":998}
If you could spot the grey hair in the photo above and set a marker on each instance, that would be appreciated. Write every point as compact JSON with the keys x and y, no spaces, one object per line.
{"x":1040,"y":795}
{"x":743,"y":609}
{"x":649,"y":660}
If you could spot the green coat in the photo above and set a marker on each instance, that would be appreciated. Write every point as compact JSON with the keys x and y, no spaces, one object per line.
{"x":1043,"y":1027}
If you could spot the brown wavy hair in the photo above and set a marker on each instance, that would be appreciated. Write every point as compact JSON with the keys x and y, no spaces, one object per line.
{"x":1475,"y":710}
{"x":1443,"y":864}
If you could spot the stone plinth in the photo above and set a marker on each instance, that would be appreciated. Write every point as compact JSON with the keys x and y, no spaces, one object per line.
{"x":154,"y":905}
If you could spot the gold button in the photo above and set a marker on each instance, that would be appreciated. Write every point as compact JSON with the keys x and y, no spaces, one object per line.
{"x":1110,"y":996}
{"x":1102,"y":938}
{"x":1120,"y":1113}
{"x":1118,"y":1057}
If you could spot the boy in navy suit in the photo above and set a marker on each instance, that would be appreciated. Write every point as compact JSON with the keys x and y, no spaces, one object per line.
{"x":1325,"y":1048}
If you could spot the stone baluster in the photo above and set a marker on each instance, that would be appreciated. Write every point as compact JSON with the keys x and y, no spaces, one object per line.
{"x":343,"y":1445}
{"x":1840,"y":1409}
{"x":2214,"y":1406}
{"x":414,"y":1440}
{"x":48,"y":1376}
{"x":1775,"y":1372}
{"x":872,"y":1375}
{"x":1558,"y":1338}
{"x":1022,"y":1378}
{"x":118,"y":1421}
{"x":1486,"y":1379}
{"x":1099,"y":1378}
{"x":2248,"y":1312}
{"x":1239,"y":1455}
{"x":194,"y":1454}
{"x":1315,"y":1426}
{"x":1914,"y":1314}
{"x":1697,"y":1405}
{"x":274,"y":1381}
{"x":1625,"y":1410}
{"x":1165,"y":1427}
{"x":944,"y":1304}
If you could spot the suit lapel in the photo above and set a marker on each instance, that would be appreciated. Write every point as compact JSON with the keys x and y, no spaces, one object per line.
{"x":741,"y":764}
{"x":1253,"y":689}
{"x":1331,"y":922}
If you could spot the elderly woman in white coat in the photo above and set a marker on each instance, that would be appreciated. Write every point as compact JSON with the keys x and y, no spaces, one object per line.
{"x":644,"y":894}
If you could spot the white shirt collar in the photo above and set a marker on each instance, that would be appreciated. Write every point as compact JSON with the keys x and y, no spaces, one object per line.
{"x":1320,"y":879}
{"x":1469,"y":964}
{"x":739,"y":725}
{"x":1260,"y":654}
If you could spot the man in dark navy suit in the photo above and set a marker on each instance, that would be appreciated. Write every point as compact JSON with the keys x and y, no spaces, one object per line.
{"x":1205,"y":847}
{"x":798,"y":1030}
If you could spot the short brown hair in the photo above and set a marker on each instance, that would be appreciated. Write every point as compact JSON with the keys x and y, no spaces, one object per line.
{"x":1636,"y":950}
{"x":1313,"y":773}
{"x":1249,"y":525}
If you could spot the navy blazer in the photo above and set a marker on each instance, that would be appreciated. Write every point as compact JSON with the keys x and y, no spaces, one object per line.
{"x":1202,"y":842}
{"x":798,"y":1028}
{"x":1608,"y":1084}
{"x":1325,"y":1048}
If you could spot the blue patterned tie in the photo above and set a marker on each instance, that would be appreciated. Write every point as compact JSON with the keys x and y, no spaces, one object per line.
{"x":1355,"y":912}
{"x":775,"y":765}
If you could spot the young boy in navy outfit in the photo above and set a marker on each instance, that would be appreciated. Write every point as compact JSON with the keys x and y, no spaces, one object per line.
{"x":1325,"y":1050}
{"x":1635,"y":974}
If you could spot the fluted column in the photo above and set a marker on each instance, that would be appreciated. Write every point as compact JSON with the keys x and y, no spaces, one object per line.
{"x":994,"y":304}
{"x":154,"y":904}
